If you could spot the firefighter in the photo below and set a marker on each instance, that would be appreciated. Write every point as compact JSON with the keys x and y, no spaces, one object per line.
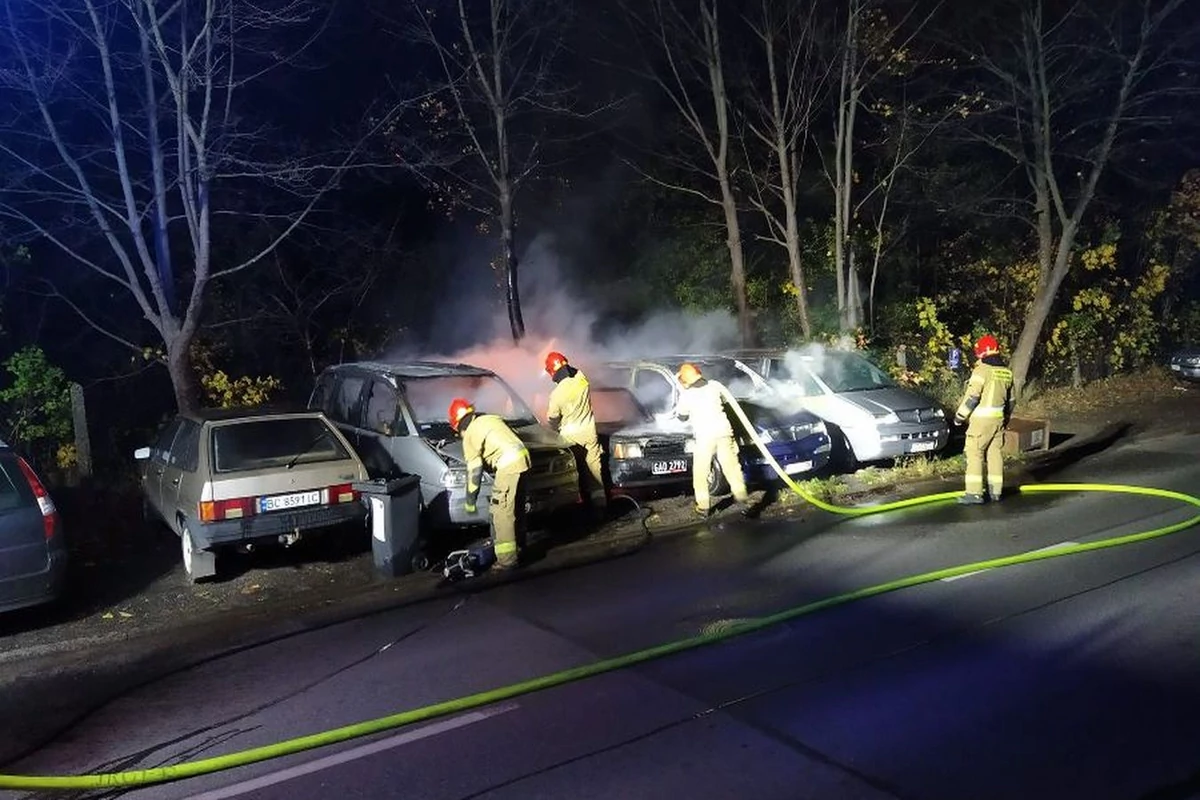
{"x":702,"y":402}
{"x":488,"y":443}
{"x":988,"y":404}
{"x":570,"y":412}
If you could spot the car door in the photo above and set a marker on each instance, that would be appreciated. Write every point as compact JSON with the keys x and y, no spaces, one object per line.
{"x":180,"y":483}
{"x":23,"y":541}
{"x":383,"y":424}
{"x":346,"y":406}
{"x":152,"y":478}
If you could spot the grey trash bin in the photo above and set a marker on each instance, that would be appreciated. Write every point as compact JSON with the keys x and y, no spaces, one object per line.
{"x":393,"y":518}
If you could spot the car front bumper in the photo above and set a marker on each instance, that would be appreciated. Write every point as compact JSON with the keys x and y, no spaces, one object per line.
{"x":544,"y":495}
{"x":796,"y":457}
{"x":275,"y":524}
{"x":643,"y":473}
{"x":893,"y":441}
{"x":1186,"y":371}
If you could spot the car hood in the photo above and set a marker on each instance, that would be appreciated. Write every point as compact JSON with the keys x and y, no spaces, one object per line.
{"x":892,"y":398}
{"x":535,"y":437}
{"x":653,"y":430}
{"x":1185,"y":352}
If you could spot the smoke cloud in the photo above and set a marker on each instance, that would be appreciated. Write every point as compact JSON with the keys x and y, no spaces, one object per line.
{"x":561,"y":317}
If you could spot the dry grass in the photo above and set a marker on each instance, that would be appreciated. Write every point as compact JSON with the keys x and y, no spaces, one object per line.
{"x":1124,"y":392}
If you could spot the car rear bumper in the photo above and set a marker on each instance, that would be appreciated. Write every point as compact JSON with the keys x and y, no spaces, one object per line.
{"x":272,"y":525}
{"x":35,"y":589}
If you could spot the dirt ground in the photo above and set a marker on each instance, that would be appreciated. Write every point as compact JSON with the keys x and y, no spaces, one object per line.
{"x":126,"y":577}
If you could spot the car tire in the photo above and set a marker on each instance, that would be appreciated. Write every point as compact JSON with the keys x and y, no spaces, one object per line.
{"x":842,"y":457}
{"x":198,"y":565}
{"x":716,"y":480}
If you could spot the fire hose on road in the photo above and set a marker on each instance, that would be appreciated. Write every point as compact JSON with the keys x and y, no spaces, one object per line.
{"x":214,"y":764}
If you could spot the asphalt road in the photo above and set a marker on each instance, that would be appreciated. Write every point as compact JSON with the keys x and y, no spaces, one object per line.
{"x":1068,"y":678}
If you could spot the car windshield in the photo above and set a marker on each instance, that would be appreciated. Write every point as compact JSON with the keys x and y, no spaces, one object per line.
{"x":617,"y":406}
{"x":737,"y":381}
{"x":841,"y":372}
{"x":268,"y":443}
{"x":429,"y":399}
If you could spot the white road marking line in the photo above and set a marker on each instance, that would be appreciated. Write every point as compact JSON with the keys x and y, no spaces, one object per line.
{"x":362,"y":751}
{"x":1058,"y":546}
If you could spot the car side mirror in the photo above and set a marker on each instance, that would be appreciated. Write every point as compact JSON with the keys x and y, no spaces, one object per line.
{"x":142,"y":454}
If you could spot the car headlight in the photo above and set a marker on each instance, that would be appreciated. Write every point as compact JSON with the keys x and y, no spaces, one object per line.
{"x":627,"y":450}
{"x":689,"y":446}
{"x":890,"y":418}
{"x":453,"y":478}
{"x":1193,"y":361}
{"x":800,"y":431}
{"x":939,"y":413}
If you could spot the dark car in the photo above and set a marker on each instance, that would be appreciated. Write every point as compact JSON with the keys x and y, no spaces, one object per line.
{"x":1185,"y":364}
{"x":33,"y":551}
{"x":645,"y":452}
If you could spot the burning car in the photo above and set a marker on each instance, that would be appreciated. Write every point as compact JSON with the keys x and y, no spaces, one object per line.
{"x":646,"y":451}
{"x":394,"y":415}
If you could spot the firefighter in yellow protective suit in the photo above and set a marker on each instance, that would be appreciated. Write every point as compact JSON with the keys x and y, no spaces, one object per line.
{"x":570,"y":412}
{"x":702,"y":402}
{"x":988,"y":405}
{"x":489,"y":443}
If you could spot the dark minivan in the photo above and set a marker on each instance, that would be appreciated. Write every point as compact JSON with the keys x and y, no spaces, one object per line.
{"x":33,"y":552}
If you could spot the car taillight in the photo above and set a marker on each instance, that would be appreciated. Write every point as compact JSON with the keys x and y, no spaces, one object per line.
{"x":45,"y":504}
{"x":217,"y":510}
{"x":342,"y":493}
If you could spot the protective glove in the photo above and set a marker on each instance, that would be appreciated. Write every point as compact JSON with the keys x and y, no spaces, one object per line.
{"x":469,"y":506}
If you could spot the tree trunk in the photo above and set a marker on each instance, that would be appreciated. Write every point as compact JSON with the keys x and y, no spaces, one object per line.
{"x":737,"y":264}
{"x":512,"y":291}
{"x":1043,"y":303}
{"x":183,"y":376}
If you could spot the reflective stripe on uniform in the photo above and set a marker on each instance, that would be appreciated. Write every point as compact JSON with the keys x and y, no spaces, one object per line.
{"x":512,"y":456}
{"x":568,"y":430}
{"x":504,"y":548}
{"x":989,"y":411}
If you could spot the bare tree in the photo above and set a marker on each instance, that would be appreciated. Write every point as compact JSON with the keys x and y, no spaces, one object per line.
{"x":872,"y":46}
{"x":483,"y":133}
{"x":683,"y":59}
{"x":124,"y":127}
{"x":1060,"y":95}
{"x":779,"y":111}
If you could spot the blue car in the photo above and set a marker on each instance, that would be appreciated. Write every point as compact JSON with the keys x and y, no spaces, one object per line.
{"x":644,"y":452}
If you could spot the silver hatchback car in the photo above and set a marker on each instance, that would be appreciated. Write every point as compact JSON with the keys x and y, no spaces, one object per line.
{"x":239,"y":478}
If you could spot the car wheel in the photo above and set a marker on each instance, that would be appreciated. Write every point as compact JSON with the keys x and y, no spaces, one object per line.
{"x":420,"y":559}
{"x":716,"y":480}
{"x":842,"y":456}
{"x":198,"y":564}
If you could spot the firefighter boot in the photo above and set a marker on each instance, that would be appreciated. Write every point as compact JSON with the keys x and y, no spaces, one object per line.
{"x":971,"y":500}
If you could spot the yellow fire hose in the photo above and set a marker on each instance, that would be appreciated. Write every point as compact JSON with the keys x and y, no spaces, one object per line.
{"x":189,"y":769}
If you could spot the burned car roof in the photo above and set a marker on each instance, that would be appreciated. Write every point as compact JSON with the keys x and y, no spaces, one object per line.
{"x":417,"y":369}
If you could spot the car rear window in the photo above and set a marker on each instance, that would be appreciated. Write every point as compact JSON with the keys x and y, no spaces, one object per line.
{"x":11,"y":484}
{"x":267,"y":443}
